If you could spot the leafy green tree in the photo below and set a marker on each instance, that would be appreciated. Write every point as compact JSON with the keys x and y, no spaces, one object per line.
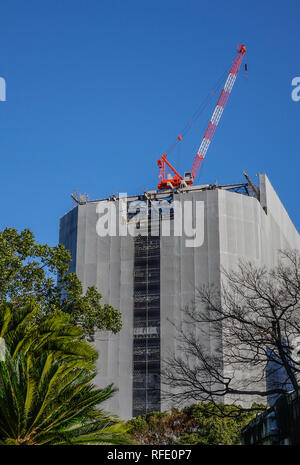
{"x":43,"y":401}
{"x":203,"y":423}
{"x":159,"y":427}
{"x":46,"y":390}
{"x":216,"y":423}
{"x":30,"y":271}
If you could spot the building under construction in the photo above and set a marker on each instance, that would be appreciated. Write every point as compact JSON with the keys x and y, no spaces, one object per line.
{"x":150,"y":275}
{"x":148,"y":254}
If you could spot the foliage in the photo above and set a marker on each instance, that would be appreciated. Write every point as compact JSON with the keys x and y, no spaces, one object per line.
{"x":24,"y":331}
{"x":46,"y":390}
{"x":158,"y":427}
{"x":217,"y":424}
{"x":30,"y":271}
{"x":203,"y":423}
{"x":43,"y":401}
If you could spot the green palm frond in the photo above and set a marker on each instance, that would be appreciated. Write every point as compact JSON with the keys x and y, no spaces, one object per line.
{"x":56,"y":334}
{"x":47,"y":395}
{"x":43,"y":401}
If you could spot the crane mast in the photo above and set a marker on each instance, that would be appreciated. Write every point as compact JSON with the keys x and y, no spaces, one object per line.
{"x":174,"y":179}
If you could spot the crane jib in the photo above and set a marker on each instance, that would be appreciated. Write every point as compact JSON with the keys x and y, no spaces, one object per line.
{"x":167,"y":181}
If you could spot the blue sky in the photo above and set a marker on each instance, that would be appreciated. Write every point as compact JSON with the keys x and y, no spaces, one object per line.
{"x":97,"y":90}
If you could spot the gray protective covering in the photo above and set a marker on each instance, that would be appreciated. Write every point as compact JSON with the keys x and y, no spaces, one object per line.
{"x":235,"y":227}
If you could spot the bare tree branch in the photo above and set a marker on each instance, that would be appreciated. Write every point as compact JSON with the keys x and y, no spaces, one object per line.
{"x":229,"y":337}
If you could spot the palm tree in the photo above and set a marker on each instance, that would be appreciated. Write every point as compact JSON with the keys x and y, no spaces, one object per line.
{"x":46,"y":390}
{"x":26,"y":330}
{"x":45,"y":401}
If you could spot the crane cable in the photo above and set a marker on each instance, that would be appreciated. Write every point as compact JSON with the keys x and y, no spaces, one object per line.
{"x":199,"y":111}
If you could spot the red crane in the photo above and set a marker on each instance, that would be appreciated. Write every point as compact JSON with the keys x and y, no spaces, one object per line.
{"x":173,"y":178}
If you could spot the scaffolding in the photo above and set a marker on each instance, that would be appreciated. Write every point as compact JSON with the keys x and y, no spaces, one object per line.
{"x":146,"y":318}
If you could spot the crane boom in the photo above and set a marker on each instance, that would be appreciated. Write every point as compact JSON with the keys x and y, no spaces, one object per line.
{"x":177,"y":180}
{"x":216,"y":116}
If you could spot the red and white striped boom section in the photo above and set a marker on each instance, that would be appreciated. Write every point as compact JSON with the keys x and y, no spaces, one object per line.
{"x":175,"y":179}
{"x":216,"y":116}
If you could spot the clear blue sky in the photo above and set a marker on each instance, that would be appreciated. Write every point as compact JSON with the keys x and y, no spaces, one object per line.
{"x":98,"y":89}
